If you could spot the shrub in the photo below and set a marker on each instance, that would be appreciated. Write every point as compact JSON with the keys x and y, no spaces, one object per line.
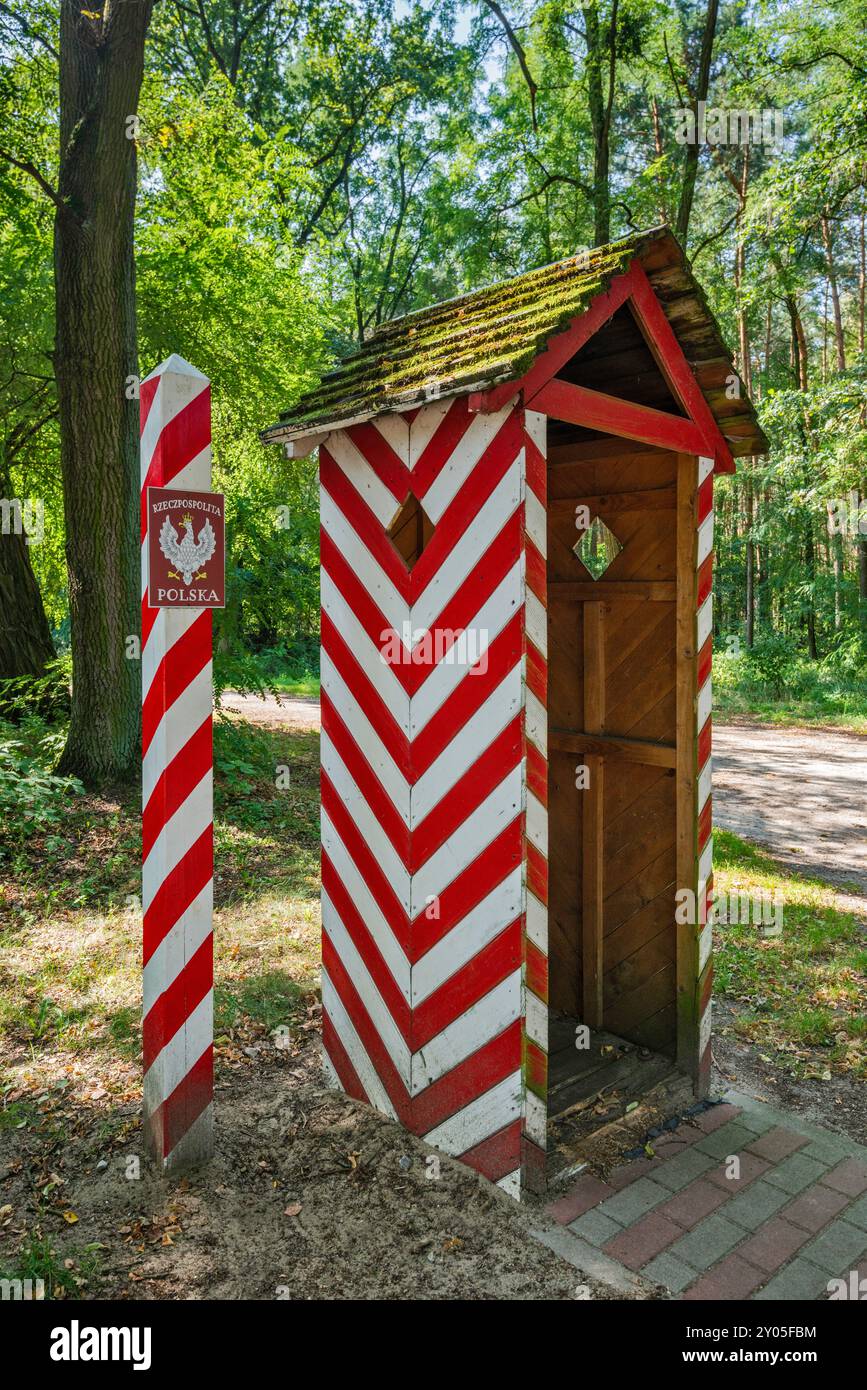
{"x":32,"y":798}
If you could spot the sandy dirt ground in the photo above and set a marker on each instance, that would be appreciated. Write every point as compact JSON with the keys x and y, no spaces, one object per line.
{"x":799,"y":793}
{"x":285,"y":712}
{"x":310,"y":1196}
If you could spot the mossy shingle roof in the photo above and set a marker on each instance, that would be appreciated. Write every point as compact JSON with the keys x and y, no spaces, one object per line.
{"x":493,"y":335}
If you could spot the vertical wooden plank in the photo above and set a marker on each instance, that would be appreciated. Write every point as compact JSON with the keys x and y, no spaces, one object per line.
{"x":687,"y":935}
{"x":592,"y":931}
{"x":594,"y":668}
{"x":592,"y":934}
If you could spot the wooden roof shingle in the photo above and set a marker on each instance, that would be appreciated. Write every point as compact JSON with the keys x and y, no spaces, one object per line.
{"x":492,"y":335}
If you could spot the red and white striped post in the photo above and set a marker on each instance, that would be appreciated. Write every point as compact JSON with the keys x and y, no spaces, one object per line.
{"x":177,"y":799}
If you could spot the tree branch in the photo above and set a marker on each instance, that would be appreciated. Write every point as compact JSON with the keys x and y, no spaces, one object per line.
{"x":27,"y":167}
{"x":517,"y":49}
{"x":29,"y":32}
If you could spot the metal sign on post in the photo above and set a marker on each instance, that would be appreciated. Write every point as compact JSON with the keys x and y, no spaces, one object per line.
{"x":186,"y":548}
{"x":182,"y":578}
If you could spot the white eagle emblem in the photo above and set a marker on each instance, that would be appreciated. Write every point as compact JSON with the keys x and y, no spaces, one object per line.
{"x":188,"y":554}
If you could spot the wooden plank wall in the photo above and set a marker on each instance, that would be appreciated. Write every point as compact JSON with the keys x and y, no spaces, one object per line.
{"x":613,"y":708}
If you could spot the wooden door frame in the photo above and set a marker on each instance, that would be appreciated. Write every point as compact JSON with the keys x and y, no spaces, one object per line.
{"x":690,"y":591}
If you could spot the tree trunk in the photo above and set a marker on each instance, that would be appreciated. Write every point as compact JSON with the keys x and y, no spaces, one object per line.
{"x":839,"y":339}
{"x":839,"y":579}
{"x":810,"y":565}
{"x":745,"y":365}
{"x":690,"y":171}
{"x":101,"y":63}
{"x":599,"y":117}
{"x":862,"y":280}
{"x":799,"y":343}
{"x":25,"y":637}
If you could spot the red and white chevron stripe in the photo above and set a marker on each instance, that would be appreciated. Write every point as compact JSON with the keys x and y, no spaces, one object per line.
{"x":425,"y":764}
{"x":704,"y":841}
{"x":536,"y":829}
{"x":177,"y":799}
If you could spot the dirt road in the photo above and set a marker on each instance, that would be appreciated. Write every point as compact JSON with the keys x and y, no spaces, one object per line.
{"x":799,"y":793}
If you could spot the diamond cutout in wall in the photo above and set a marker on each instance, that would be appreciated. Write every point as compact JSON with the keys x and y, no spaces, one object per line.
{"x":411,"y":530}
{"x":597,"y":548}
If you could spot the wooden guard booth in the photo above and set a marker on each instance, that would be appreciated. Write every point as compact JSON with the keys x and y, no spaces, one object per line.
{"x":517,"y":547}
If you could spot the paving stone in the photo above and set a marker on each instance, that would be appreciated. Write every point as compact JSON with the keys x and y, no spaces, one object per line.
{"x":590,"y":1261}
{"x":594,"y":1227}
{"x":830,"y":1150}
{"x":630,"y":1172}
{"x":641,"y":1241}
{"x":708,"y":1242}
{"x":636,"y":1199}
{"x":668,"y":1270}
{"x":751,"y":1167}
{"x":798,"y":1282}
{"x":714,"y":1117}
{"x":757,"y":1204}
{"x":795,"y":1173}
{"x":731,"y":1278}
{"x":588,"y":1192}
{"x":756,"y":1120}
{"x":675,"y":1173}
{"x":672,"y":1145}
{"x":816,"y":1207}
{"x":777,"y":1144}
{"x":773,"y":1244}
{"x":857,"y":1213}
{"x":850,"y":1177}
{"x":727,"y":1140}
{"x":693,"y":1203}
{"x":838,"y":1247}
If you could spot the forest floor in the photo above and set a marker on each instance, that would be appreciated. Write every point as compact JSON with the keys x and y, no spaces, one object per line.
{"x":310,"y":1194}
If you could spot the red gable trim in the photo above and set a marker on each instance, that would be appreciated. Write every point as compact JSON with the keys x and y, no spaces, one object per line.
{"x":611,"y":415}
{"x":631,"y":421}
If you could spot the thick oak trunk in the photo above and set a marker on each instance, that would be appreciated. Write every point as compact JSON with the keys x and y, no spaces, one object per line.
{"x":25,"y":637}
{"x":101,"y":63}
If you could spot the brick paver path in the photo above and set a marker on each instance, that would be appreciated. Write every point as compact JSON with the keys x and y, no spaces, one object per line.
{"x":741,"y":1202}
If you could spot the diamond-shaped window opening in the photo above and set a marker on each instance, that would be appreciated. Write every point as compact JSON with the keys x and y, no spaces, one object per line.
{"x":410,"y":530}
{"x":597,"y":548}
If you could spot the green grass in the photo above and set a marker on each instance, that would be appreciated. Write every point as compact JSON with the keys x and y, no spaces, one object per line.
{"x":70,"y":913}
{"x":790,"y":690}
{"x":801,"y":996}
{"x":304,"y":687}
{"x":39,"y":1262}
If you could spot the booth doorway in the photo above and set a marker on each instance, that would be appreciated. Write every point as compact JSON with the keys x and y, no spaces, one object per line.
{"x":612,"y":569}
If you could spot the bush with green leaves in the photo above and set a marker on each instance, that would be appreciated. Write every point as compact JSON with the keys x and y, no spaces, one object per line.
{"x":32,"y":798}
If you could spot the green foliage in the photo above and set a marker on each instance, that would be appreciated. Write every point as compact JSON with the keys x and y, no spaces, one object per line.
{"x":309,"y":168}
{"x":45,"y":696}
{"x":777,"y":682}
{"x":32,"y":799}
